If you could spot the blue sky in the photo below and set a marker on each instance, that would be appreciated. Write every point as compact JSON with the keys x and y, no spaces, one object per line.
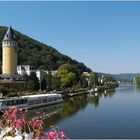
{"x":103,"y":35}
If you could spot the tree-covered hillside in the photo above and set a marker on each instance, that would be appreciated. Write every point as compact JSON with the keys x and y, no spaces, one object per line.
{"x":32,"y":52}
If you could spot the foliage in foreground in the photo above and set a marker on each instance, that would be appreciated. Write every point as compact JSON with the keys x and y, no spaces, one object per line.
{"x":15,"y":125}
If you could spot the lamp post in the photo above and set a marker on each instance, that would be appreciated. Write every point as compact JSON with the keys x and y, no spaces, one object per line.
{"x":40,"y":80}
{"x":40,"y":84}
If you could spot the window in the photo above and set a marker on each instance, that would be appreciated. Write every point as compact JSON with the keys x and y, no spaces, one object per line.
{"x":55,"y":99}
{"x":44,"y":100}
{"x":9,"y":103}
{"x":31,"y":102}
{"x":50,"y":100}
{"x":38,"y":102}
{"x":24,"y":101}
{"x":19,"y":102}
{"x":22,"y":68}
{"x":4,"y":104}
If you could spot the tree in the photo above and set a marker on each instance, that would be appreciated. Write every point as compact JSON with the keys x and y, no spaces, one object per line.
{"x":67,"y":75}
{"x":83,"y":82}
{"x":25,"y":77}
{"x":93,"y":79}
{"x":43,"y":84}
{"x":137,"y":80}
{"x":32,"y":83}
{"x":4,"y":91}
{"x":55,"y":82}
{"x":68,"y":80}
{"x":67,"y":67}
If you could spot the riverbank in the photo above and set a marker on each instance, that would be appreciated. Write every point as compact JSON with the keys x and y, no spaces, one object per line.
{"x":87,"y":91}
{"x":68,"y":92}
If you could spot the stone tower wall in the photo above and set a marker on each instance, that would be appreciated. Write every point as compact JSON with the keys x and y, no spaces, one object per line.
{"x":9,"y":55}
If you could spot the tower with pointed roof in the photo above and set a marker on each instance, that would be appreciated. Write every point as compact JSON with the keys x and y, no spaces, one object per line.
{"x":9,"y":49}
{"x":9,"y":77}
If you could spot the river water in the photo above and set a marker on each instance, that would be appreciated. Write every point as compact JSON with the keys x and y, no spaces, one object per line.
{"x":112,"y":114}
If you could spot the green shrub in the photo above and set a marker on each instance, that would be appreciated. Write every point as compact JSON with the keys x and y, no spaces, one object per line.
{"x":4,"y":91}
{"x":12,"y":94}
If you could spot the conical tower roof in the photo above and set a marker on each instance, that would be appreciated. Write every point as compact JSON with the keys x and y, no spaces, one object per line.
{"x":9,"y":36}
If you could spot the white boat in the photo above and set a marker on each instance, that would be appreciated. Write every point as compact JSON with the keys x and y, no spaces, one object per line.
{"x":31,"y":101}
{"x":93,"y":90}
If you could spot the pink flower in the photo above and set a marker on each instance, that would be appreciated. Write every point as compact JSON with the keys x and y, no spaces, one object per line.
{"x":11,"y":114}
{"x":15,"y":119}
{"x":62,"y":135}
{"x":36,"y":123}
{"x":19,"y":124}
{"x":52,"y":136}
{"x":56,"y":135}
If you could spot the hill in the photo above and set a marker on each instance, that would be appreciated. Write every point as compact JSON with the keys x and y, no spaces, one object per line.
{"x":42,"y":56}
{"x":125,"y":76}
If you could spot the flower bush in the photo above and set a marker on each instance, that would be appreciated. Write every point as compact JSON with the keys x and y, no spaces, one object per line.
{"x":15,"y":125}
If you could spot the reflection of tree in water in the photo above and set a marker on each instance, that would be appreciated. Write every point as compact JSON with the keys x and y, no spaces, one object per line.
{"x":138,"y":88}
{"x":95,"y":99}
{"x":69,"y":108}
{"x":73,"y":105}
{"x":109,"y":93}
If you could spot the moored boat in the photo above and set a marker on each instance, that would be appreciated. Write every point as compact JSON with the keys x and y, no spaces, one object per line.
{"x":31,"y":101}
{"x":93,"y":90}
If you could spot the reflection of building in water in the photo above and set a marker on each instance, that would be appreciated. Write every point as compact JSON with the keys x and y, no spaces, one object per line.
{"x":45,"y":111}
{"x":95,"y":97}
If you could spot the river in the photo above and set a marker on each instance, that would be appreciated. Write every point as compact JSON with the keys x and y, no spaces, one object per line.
{"x":112,"y":114}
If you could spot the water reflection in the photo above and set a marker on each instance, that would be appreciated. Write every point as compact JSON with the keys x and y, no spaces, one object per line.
{"x":70,"y":107}
{"x":127,"y":87}
{"x":46,"y":111}
{"x":138,"y":89}
{"x":109,"y":93}
{"x":75,"y":104}
{"x":100,"y":116}
{"x":94,"y":98}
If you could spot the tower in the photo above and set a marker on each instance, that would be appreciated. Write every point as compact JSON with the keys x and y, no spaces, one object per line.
{"x":9,"y":53}
{"x":9,"y":77}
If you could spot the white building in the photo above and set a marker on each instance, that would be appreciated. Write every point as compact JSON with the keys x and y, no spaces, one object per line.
{"x":25,"y":69}
{"x":54,"y":72}
{"x":41,"y":74}
{"x":86,"y":74}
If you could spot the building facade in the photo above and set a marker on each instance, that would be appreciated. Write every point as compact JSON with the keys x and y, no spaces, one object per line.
{"x":9,"y":55}
{"x":25,"y":69}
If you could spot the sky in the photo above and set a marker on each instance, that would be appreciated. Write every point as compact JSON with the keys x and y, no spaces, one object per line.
{"x":105,"y":36}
